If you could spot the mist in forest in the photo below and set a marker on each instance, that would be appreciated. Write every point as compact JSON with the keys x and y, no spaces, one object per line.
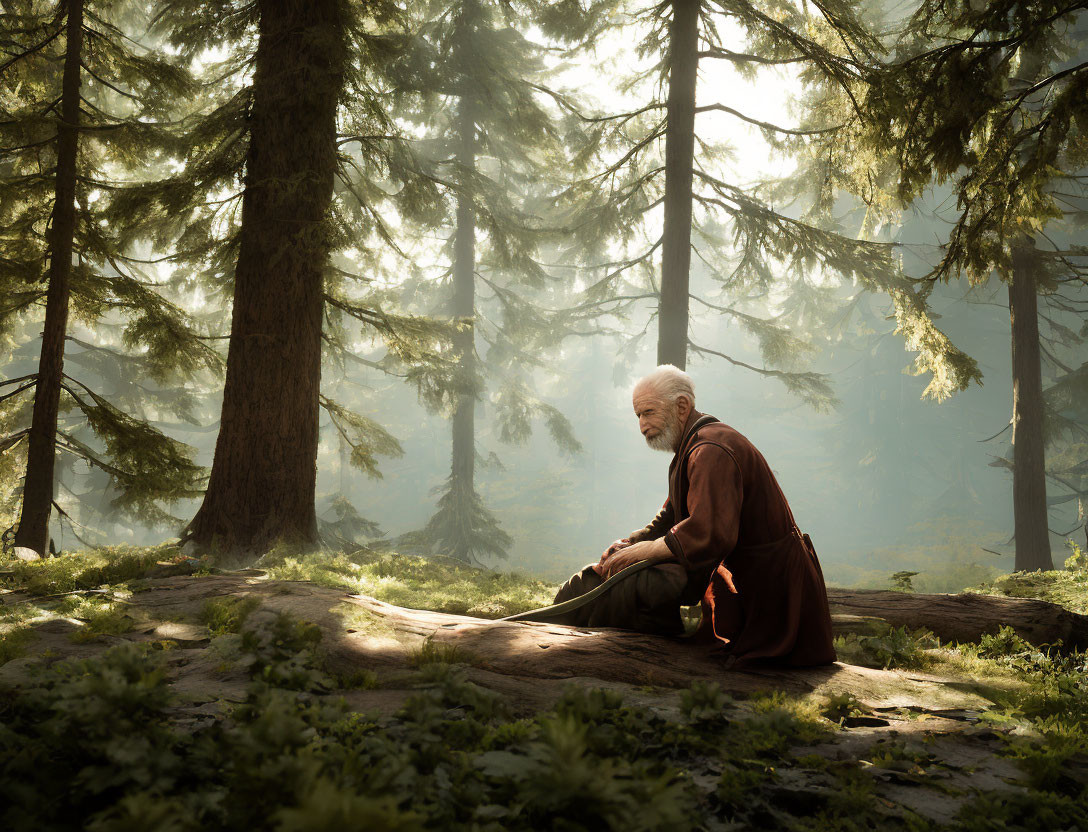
{"x":482,"y":280}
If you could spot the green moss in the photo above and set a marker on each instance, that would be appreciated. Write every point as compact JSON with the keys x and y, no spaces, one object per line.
{"x":359,"y":619}
{"x":1067,"y":587}
{"x":839,"y":706}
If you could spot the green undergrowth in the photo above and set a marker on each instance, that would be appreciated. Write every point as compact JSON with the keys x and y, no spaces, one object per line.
{"x":93,"y":744}
{"x":227,"y":615}
{"x":14,"y":642}
{"x":1066,"y":587}
{"x":1063,"y":587}
{"x":887,"y":648}
{"x":88,"y":569}
{"x":100,"y":618}
{"x":440,"y":584}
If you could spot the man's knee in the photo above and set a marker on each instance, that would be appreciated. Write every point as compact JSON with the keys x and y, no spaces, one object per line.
{"x":577,"y":584}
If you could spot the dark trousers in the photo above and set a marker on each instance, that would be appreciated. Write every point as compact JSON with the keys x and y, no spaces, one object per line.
{"x":647,"y":601}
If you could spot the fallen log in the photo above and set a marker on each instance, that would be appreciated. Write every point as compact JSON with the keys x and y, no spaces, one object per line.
{"x":964,"y":617}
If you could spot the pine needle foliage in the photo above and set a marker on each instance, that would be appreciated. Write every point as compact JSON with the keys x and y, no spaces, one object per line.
{"x":989,"y":100}
{"x":196,"y":214}
{"x":471,"y":83}
{"x":772,"y":267}
{"x":128,"y":98}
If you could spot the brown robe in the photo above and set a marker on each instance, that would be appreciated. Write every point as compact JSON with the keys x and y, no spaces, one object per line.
{"x":726,"y":514}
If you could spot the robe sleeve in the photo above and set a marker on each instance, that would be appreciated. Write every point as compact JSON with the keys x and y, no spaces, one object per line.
{"x":657,"y":527}
{"x":715,"y":491}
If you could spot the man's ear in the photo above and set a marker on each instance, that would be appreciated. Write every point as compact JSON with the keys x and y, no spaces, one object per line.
{"x":683,"y":407}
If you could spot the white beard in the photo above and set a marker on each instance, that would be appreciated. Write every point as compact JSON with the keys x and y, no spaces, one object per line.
{"x":669,"y":437}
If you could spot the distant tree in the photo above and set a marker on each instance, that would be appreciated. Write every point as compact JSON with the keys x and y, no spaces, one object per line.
{"x":747,"y":247}
{"x":495,"y":145}
{"x":74,"y":143}
{"x":991,"y":97}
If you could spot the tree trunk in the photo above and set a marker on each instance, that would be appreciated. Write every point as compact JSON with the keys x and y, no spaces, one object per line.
{"x":263,"y":477}
{"x":462,"y":471}
{"x":33,"y":531}
{"x":672,"y":338}
{"x":965,"y":617}
{"x":1028,"y":476}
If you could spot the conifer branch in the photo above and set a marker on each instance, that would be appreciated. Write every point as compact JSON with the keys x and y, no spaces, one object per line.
{"x":74,"y":446}
{"x":18,"y":390}
{"x":6,"y":382}
{"x":813,"y":387}
{"x":656,"y":133}
{"x":13,"y":439}
{"x":106,"y":83}
{"x":722,"y":53}
{"x":570,"y":107}
{"x":36,"y":48}
{"x":764,"y":124}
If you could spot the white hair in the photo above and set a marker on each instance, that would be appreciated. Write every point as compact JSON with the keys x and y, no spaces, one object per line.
{"x":669,"y":382}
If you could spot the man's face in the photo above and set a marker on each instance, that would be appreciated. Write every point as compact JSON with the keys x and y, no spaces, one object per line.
{"x":658,"y":420}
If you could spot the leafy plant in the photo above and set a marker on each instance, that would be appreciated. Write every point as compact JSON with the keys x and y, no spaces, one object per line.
{"x":890,"y":647}
{"x":901,"y":581}
{"x":1077,"y":562}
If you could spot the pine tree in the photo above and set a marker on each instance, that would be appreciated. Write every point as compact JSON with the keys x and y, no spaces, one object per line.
{"x":744,"y":246}
{"x":991,"y":99}
{"x":72,"y":144}
{"x":290,"y":177}
{"x":496,"y":148}
{"x":260,"y":493}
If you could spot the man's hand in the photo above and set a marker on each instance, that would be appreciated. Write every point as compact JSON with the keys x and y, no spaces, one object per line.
{"x":622,"y":543}
{"x":632,"y":553}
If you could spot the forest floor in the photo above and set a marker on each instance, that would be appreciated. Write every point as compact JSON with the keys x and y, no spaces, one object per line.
{"x":140,"y":689}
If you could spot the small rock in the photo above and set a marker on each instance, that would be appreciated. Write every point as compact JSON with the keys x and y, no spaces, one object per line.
{"x":26,"y":554}
{"x":18,"y":671}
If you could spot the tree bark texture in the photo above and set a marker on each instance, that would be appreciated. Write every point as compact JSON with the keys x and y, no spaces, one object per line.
{"x":672,"y":338}
{"x":33,"y":530}
{"x":965,"y":617}
{"x":462,"y":470}
{"x":1029,"y":475}
{"x":263,"y":478}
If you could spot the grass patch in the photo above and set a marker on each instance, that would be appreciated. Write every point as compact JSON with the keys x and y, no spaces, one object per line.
{"x":439,"y":584}
{"x":227,"y":614}
{"x":431,"y":652}
{"x":359,"y":679}
{"x":13,"y":642}
{"x":100,"y":618}
{"x":88,"y":569}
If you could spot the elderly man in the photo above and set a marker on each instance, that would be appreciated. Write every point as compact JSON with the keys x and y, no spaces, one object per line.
{"x":725,"y":537}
